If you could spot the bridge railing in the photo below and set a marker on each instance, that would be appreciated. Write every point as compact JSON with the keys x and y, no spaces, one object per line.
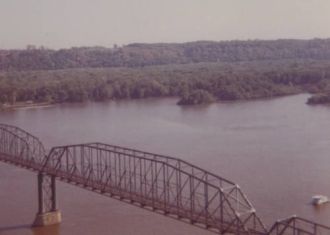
{"x":298,"y":226}
{"x":154,"y":182}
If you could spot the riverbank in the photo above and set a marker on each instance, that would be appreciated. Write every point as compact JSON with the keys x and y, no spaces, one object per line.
{"x":30,"y":105}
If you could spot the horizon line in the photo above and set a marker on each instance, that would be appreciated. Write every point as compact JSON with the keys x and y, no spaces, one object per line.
{"x":31,"y":46}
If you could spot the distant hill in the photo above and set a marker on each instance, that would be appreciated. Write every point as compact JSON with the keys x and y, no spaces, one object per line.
{"x":139,"y":54}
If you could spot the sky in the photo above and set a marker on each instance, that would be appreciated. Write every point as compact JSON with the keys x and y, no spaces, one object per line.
{"x":67,"y":23}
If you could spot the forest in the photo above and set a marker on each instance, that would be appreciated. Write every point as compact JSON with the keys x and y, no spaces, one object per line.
{"x":199,"y":72}
{"x":216,"y":81}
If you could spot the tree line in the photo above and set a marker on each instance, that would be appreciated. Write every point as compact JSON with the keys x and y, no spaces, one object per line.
{"x":141,"y":54}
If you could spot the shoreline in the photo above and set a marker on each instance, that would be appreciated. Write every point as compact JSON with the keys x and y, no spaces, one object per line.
{"x":26,"y":106}
{"x":23,"y":105}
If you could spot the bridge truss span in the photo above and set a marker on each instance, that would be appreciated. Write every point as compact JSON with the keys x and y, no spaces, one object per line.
{"x":161,"y":183}
{"x":296,"y":225}
{"x":21,"y":148}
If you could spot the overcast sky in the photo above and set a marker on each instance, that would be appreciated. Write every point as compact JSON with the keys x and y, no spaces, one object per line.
{"x":67,"y":23}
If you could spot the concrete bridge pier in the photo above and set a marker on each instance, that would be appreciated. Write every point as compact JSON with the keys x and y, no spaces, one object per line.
{"x":48,"y":214}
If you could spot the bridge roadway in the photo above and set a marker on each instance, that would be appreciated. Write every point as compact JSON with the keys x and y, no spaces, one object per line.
{"x":158,"y":183}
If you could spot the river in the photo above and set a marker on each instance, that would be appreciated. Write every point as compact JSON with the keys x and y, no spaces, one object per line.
{"x":277,"y":150}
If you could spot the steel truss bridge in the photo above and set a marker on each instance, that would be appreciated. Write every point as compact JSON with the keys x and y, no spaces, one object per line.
{"x":159,"y":183}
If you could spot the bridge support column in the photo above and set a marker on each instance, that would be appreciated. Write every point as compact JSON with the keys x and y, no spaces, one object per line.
{"x":47,"y":212}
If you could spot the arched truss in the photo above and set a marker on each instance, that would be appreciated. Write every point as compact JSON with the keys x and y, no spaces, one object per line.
{"x":162,"y":183}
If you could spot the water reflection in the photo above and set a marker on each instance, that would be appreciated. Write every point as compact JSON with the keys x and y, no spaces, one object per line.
{"x":50,"y":230}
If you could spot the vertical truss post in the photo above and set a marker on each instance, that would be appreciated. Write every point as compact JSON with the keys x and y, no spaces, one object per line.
{"x":47,"y":208}
{"x":53,"y":190}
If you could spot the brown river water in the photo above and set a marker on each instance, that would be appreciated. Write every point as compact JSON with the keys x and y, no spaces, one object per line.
{"x":277,"y":150}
